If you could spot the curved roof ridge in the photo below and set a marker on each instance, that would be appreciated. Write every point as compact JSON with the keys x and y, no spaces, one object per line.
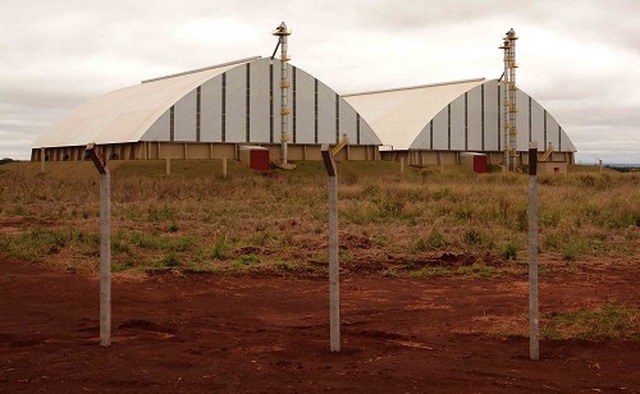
{"x":197,"y":70}
{"x":415,"y":87}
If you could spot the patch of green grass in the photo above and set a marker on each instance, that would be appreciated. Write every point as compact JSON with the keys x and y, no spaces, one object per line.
{"x":571,"y":252}
{"x":609,"y":321}
{"x":167,"y":262}
{"x":247,"y":261}
{"x":148,"y":241}
{"x":392,"y":273}
{"x":434,"y":241}
{"x":127,"y":265}
{"x":428,"y":272}
{"x":221,"y":249}
{"x":476,"y":270}
{"x":20,"y":211}
{"x":509,"y":251}
{"x":285,"y":266}
{"x":463,"y":215}
{"x":477,"y":238}
{"x":391,"y":209}
{"x":161,"y":214}
{"x":441,"y":194}
{"x":39,"y":242}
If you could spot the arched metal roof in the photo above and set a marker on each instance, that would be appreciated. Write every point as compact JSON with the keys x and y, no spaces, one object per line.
{"x":397,"y":116}
{"x":457,"y":116}
{"x":124,"y":115}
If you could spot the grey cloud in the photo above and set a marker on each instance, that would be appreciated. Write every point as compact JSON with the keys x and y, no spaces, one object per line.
{"x":56,"y":55}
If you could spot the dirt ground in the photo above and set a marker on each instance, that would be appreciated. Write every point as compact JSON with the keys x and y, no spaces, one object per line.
{"x":208,"y":333}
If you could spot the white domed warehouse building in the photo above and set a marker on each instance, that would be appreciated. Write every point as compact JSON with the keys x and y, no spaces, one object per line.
{"x":209,"y":114}
{"x":443,"y":123}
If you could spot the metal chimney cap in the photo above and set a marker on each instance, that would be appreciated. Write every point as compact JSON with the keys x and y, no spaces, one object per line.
{"x":282,"y":30}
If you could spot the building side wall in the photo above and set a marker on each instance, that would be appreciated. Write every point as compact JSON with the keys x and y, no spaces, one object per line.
{"x":440,"y":133}
{"x":159,"y":131}
{"x":185,"y":118}
{"x":326,"y":115}
{"x":456,"y":129}
{"x":492,"y":121}
{"x":474,"y":120}
{"x":236,"y":105}
{"x":260,"y":103}
{"x":305,"y":108}
{"x":211,"y":111}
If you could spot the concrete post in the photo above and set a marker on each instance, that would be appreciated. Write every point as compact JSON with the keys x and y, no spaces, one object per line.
{"x":224,"y":168}
{"x":334,"y":267}
{"x":105,"y":259}
{"x":168,"y":166}
{"x":42,"y":159}
{"x":402,"y":165}
{"x":534,"y":352}
{"x":105,"y":243}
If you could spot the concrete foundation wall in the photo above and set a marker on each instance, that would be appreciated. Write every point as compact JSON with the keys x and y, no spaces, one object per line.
{"x":189,"y":150}
{"x":445,"y":158}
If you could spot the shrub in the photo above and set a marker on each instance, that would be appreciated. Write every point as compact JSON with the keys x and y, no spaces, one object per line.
{"x":509,"y":251}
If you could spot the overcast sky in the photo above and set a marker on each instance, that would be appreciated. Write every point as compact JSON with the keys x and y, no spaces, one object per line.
{"x":579,"y":59}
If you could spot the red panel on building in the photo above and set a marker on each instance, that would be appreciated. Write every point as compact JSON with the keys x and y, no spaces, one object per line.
{"x":259,"y":160}
{"x":480,"y":165}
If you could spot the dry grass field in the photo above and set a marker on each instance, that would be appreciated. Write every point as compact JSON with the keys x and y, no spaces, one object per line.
{"x":391,"y":224}
{"x":442,"y":253}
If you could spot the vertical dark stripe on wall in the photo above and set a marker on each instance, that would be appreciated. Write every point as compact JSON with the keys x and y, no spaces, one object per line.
{"x":315,"y":116}
{"x":530,"y":122}
{"x":482,"y":114}
{"x":337,"y":118}
{"x":248,"y":104}
{"x":559,"y":139}
{"x":294,"y":120}
{"x":223,"y":117}
{"x":172,"y":123}
{"x":271,"y":103}
{"x":431,"y":134}
{"x":358,"y":128}
{"x":545,"y":129}
{"x":449,"y":126}
{"x":499,"y":121}
{"x":466,"y":121}
{"x":198,"y":108}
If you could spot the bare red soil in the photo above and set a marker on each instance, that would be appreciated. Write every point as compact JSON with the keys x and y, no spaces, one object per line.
{"x":207,"y":333}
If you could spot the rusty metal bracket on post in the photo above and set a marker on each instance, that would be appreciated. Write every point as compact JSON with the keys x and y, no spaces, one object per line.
{"x":100,"y":161}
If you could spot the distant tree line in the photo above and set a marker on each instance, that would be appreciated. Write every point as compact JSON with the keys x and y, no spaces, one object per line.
{"x":6,"y":160}
{"x":625,"y":168}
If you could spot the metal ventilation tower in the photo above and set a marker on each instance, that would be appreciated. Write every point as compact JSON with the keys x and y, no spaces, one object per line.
{"x":509,"y":101}
{"x":283,"y":33}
